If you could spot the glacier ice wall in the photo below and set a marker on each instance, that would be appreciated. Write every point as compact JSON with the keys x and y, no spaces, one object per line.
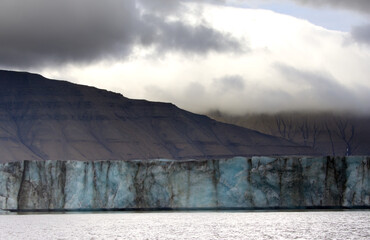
{"x":258,"y":182}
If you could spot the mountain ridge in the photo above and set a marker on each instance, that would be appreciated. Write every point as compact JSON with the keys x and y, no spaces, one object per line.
{"x":43,"y":119}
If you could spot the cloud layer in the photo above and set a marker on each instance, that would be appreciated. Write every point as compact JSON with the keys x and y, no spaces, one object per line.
{"x":362,"y":34}
{"x":357,"y":5}
{"x":199,"y":56}
{"x":299,"y":66}
{"x":36,"y":32}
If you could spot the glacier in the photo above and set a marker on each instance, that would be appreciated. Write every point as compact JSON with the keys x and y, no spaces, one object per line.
{"x":233,"y":183}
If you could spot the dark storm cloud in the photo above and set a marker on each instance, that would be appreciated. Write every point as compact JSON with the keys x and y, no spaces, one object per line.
{"x":361,"y":34}
{"x":36,"y":32}
{"x":192,"y":39}
{"x":357,"y":5}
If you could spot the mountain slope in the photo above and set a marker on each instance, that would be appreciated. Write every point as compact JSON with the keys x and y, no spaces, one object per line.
{"x":328,"y":133}
{"x":48,"y":119}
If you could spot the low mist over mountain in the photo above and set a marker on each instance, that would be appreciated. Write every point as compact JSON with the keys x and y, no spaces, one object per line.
{"x":47,"y":119}
{"x":329,"y":133}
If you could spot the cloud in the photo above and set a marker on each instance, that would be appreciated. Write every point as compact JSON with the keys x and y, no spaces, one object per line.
{"x":169,"y":6}
{"x":362,"y":6}
{"x":162,"y":6}
{"x":319,"y":90}
{"x":195,"y":90}
{"x":229,"y":83}
{"x":292,"y":65}
{"x":42,"y":32}
{"x":199,"y":39}
{"x":361,"y":33}
{"x":231,"y":94}
{"x":299,"y":90}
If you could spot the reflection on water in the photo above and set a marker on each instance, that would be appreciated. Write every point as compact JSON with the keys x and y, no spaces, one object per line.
{"x":189,"y":225}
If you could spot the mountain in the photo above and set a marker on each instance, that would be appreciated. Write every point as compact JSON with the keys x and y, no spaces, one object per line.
{"x":44,"y":119}
{"x":329,"y":133}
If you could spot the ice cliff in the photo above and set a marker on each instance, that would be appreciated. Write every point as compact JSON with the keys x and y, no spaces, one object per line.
{"x":258,"y":182}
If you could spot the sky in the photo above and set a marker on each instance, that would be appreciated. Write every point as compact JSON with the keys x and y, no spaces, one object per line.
{"x":235,"y":56}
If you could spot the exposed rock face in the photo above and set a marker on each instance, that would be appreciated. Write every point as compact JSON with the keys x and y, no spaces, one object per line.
{"x":329,"y":133}
{"x":258,"y":182}
{"x":42,"y":119}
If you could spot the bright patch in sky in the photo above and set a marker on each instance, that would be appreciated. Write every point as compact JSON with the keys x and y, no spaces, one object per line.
{"x":341,"y":20}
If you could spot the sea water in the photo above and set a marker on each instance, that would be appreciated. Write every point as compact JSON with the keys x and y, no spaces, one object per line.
{"x":189,"y":225}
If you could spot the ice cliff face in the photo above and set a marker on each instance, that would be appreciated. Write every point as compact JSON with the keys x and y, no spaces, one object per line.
{"x":258,"y":182}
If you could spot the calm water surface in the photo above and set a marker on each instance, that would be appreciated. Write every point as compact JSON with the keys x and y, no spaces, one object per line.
{"x":189,"y":225}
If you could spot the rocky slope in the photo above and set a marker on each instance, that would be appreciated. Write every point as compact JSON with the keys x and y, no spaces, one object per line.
{"x":44,"y":119}
{"x":329,"y":133}
{"x":258,"y":182}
